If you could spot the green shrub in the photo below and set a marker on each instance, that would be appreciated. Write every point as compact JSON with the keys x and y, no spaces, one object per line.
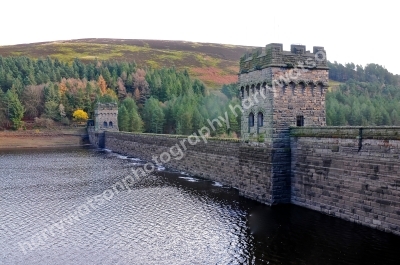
{"x":65,"y":121}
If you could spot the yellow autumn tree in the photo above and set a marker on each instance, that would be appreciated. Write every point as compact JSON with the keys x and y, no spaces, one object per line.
{"x":102,"y":85}
{"x":112,"y":94}
{"x":80,"y":115}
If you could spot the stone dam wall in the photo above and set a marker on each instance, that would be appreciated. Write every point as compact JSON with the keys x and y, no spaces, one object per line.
{"x":96,"y":138}
{"x":349,"y":172}
{"x":246,"y":168}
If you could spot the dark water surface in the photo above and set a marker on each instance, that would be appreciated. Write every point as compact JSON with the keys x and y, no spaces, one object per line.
{"x":171,"y":218}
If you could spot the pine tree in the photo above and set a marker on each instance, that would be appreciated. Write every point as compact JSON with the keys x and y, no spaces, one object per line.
{"x":386,"y":120}
{"x":3,"y":108}
{"x":153,"y":116}
{"x":129,"y":104}
{"x":221,"y":130}
{"x":233,"y":124}
{"x":123,"y":118}
{"x":198,"y":120}
{"x":106,"y":76}
{"x":178,"y":129}
{"x":52,"y":110}
{"x":15,"y":108}
{"x":129,"y":83}
{"x":137,"y":122}
{"x":395,"y":118}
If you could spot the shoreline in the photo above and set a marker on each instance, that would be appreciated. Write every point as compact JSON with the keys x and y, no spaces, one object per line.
{"x":32,"y":139}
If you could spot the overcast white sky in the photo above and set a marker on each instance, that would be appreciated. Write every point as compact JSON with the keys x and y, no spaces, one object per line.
{"x":351,"y":31}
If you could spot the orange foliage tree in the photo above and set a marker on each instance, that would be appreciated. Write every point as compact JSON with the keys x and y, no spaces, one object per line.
{"x":140,"y":84}
{"x":102,"y":85}
{"x":121,"y":88}
{"x":62,"y":87}
{"x":137,"y":94}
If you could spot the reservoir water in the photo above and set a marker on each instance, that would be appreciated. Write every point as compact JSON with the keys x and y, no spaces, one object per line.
{"x":68,"y":207}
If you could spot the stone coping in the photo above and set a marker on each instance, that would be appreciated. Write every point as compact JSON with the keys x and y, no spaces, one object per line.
{"x":350,"y":132}
{"x":176,"y":136}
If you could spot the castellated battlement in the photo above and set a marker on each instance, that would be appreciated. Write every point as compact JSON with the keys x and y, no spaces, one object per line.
{"x":106,"y":106}
{"x":273,"y":55}
{"x":280,"y":89}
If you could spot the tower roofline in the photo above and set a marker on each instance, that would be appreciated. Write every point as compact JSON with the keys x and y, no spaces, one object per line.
{"x":273,"y":55}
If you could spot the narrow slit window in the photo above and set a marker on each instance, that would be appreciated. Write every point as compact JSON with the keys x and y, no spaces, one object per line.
{"x":300,"y":121}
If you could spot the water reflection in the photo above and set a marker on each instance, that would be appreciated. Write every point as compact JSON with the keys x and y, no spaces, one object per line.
{"x":171,"y":218}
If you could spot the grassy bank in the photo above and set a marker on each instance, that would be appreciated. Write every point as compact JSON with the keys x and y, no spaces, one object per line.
{"x":40,"y":138}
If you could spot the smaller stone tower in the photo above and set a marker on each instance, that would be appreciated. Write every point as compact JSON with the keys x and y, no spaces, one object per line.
{"x":106,"y":117}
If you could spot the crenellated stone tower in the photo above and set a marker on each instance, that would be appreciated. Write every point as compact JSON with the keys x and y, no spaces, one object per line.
{"x":280,"y":89}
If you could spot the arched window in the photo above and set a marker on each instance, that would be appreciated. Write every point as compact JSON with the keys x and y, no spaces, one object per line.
{"x":292,"y":87}
{"x":264,"y":88}
{"x":105,"y":124}
{"x":283,"y":90}
{"x":260,"y":119}
{"x":251,"y":120}
{"x":247,"y":91}
{"x":258,"y":88}
{"x":320,"y":88}
{"x":302,"y":88}
{"x":242,"y":92}
{"x":312,"y":88}
{"x":110,"y":124}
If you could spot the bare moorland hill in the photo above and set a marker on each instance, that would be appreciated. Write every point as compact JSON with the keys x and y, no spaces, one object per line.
{"x":214,"y":64}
